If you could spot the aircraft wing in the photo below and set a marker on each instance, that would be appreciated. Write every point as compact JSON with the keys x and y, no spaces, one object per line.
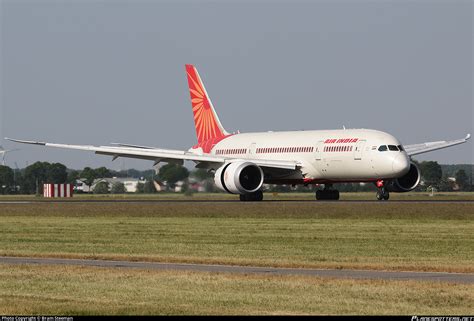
{"x":431,"y":146}
{"x":163,"y":155}
{"x":4,"y":151}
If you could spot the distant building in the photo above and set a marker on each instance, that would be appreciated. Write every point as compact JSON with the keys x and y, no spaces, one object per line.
{"x":81,"y":186}
{"x":178,"y":187}
{"x":454,"y":184}
{"x":130,"y":184}
{"x":159,"y":186}
{"x":196,"y":185}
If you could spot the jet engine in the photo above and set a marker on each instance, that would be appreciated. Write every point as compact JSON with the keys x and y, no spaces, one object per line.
{"x":407,"y":182}
{"x":239,"y":177}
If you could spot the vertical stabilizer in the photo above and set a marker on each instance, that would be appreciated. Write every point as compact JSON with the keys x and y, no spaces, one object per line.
{"x":208,"y":126}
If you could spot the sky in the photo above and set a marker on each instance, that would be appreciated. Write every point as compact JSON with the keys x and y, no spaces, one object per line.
{"x":96,"y":72}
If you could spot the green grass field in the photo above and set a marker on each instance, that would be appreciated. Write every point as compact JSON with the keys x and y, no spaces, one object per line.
{"x":375,"y":235}
{"x":58,"y":290}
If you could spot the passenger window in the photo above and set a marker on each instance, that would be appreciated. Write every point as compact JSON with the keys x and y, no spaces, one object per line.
{"x":393,"y":148}
{"x":383,"y":148}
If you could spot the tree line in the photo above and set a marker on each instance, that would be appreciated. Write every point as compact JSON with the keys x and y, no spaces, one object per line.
{"x":30,"y":180}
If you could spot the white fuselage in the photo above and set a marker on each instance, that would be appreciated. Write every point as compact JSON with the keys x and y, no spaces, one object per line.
{"x":324,"y":155}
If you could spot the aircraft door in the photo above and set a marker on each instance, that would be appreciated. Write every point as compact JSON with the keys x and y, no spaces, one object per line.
{"x":253,"y":149}
{"x":358,"y":150}
{"x":318,"y":150}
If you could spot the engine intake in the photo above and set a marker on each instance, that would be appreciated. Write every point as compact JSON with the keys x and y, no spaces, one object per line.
{"x":407,"y":182}
{"x":239,"y":178}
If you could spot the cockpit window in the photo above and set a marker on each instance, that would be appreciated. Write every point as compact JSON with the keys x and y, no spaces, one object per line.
{"x":393,"y":148}
{"x":400,"y":147}
{"x":383,"y":148}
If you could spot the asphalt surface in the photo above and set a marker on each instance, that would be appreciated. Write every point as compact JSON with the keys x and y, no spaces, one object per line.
{"x":464,"y":278}
{"x":139,"y":201}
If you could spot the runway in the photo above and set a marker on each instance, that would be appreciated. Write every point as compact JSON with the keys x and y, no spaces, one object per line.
{"x":465,"y":278}
{"x":195,"y":201}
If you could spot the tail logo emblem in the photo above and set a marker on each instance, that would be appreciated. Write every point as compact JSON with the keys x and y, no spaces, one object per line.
{"x":204,"y":119}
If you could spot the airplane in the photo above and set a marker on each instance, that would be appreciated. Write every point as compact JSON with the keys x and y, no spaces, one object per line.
{"x":243,"y":162}
{"x":4,"y":152}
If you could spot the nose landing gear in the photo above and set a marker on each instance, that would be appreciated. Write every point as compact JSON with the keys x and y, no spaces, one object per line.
{"x":327,"y":193}
{"x":382,"y":193}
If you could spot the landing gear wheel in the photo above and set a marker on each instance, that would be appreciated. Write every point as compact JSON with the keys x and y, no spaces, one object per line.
{"x":382,"y":195}
{"x":327,"y":194}
{"x":319,"y":194}
{"x":379,"y":195}
{"x":258,"y":196}
{"x":252,"y":197}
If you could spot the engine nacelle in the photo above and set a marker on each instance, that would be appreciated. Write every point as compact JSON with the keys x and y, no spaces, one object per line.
{"x":407,"y":182}
{"x":239,"y":178}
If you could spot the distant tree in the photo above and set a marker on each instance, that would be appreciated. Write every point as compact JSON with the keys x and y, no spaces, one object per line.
{"x":451,"y":170}
{"x":17,"y":180}
{"x":209,"y":186}
{"x":101,"y":188}
{"x":445,"y":185}
{"x":102,"y":172}
{"x":172,"y":173}
{"x":34,"y":177}
{"x":431,"y":173}
{"x":134,"y":173}
{"x":149,"y":187}
{"x":118,"y":188}
{"x":6,"y":179}
{"x":140,"y":188}
{"x":462,"y":180}
{"x":149,"y":173}
{"x":186,"y":189}
{"x":119,"y":173}
{"x":56,"y":173}
{"x":89,"y":175}
{"x":201,"y":174}
{"x":72,"y":176}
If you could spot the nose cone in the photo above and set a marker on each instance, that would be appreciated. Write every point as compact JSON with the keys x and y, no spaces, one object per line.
{"x":401,"y":164}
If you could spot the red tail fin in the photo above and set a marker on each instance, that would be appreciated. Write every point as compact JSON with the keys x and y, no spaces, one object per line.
{"x":208,"y":126}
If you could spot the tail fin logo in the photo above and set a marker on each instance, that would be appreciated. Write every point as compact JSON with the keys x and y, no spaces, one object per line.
{"x":205,"y":118}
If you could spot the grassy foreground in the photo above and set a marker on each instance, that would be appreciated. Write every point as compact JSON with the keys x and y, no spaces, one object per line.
{"x":56,"y":290}
{"x":387,"y":236}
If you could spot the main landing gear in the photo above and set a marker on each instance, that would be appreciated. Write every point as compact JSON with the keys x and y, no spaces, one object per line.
{"x":327,"y":193}
{"x":382,"y":193}
{"x":252,"y":197}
